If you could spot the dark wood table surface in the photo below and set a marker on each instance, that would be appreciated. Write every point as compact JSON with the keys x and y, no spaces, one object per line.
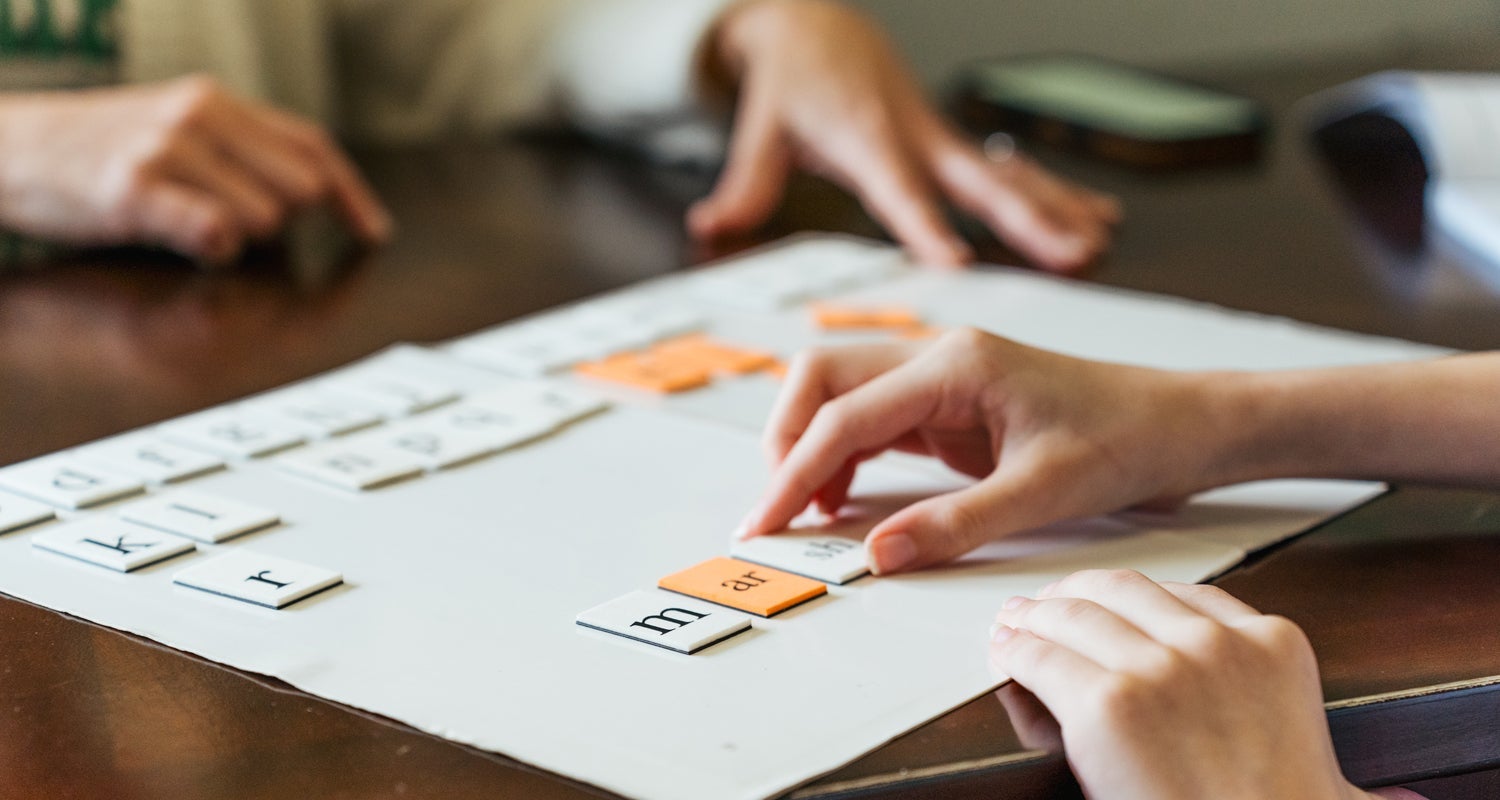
{"x":1399,"y":597}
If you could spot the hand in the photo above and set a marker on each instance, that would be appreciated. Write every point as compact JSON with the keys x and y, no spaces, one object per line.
{"x":1048,"y":436}
{"x":1172,"y":691}
{"x":822,"y":89}
{"x":182,"y":164}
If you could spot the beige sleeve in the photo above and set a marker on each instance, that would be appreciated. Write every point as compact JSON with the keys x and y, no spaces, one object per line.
{"x":415,"y":71}
{"x":274,"y":50}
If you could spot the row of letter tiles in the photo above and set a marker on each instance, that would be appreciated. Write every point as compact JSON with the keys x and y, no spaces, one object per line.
{"x":777,"y":579}
{"x":563,"y":339}
{"x":288,"y":418}
{"x":67,"y":482}
{"x":666,"y":620}
{"x":112,"y":543}
{"x":18,"y":512}
{"x":777,"y":284}
{"x":260,"y":579}
{"x":741,"y":585}
{"x":486,"y":424}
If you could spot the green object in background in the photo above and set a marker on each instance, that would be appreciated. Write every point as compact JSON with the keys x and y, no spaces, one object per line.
{"x":1106,"y":97}
{"x":92,"y":39}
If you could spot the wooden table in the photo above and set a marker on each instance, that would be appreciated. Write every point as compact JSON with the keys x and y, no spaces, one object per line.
{"x":1399,"y":597}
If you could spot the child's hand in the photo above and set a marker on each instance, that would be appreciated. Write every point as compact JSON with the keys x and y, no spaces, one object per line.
{"x":1048,"y":436}
{"x":1172,"y":691}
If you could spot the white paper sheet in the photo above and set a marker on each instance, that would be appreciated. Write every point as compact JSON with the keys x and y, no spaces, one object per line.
{"x":461,"y":586}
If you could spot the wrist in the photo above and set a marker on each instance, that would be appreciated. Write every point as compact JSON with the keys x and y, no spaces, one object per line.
{"x":1217,"y":420}
{"x":1263,"y":425}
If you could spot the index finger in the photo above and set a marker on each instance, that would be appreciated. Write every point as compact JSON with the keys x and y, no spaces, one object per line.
{"x":353,"y":197}
{"x":865,"y":420}
{"x":817,"y":376}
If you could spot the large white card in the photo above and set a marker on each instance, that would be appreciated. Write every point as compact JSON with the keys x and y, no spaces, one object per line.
{"x":462,"y":587}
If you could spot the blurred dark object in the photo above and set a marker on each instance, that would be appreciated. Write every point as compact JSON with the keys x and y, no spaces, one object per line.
{"x":1111,"y":111}
{"x":1378,"y":170}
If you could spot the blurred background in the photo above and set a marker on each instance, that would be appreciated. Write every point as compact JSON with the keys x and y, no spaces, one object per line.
{"x":1213,"y":35}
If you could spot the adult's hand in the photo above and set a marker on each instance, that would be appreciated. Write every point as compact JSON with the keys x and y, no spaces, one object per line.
{"x":820,"y":88}
{"x":183,"y":164}
{"x":1172,"y":691}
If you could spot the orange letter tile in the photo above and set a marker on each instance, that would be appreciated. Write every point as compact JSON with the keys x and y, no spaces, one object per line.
{"x":844,"y":318}
{"x":643,"y":371}
{"x":712,"y":356}
{"x":743,"y":585}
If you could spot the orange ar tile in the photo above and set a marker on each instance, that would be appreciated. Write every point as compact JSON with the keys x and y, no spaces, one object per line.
{"x":745,"y":586}
{"x":847,"y":317}
{"x":646,"y":372}
{"x":707,"y":354}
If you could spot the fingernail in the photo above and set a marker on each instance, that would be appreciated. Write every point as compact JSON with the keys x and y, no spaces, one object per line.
{"x":1046,"y":590}
{"x":1013,"y":602}
{"x":1000,"y":633}
{"x":385,"y":226}
{"x":963,"y":254}
{"x":750,"y":523}
{"x":890,"y":553}
{"x":1074,"y":245}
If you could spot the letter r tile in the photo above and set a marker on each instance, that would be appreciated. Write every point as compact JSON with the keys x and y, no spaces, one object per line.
{"x":748,"y":587}
{"x":259,"y":579}
{"x":665,"y":620}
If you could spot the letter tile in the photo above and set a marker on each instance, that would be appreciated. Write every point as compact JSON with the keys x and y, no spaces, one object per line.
{"x":706,"y":354}
{"x":232,"y":433}
{"x":254,"y":578}
{"x":150,"y":459}
{"x":111,"y":543}
{"x":461,"y":433}
{"x":831,"y":317}
{"x":197,"y":515}
{"x":546,"y":401}
{"x":18,"y":512}
{"x":646,"y":372}
{"x":740,"y":584}
{"x":394,"y":395}
{"x":67,"y":482}
{"x":528,"y":352}
{"x":354,"y":464}
{"x":831,"y":559}
{"x":315,"y":414}
{"x":665,"y":620}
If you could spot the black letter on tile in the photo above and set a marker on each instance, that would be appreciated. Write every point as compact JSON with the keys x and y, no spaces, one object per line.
{"x":666,"y":616}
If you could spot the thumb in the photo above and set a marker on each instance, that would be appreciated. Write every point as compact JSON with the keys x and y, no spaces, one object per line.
{"x":754,"y":176}
{"x":942,"y":528}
